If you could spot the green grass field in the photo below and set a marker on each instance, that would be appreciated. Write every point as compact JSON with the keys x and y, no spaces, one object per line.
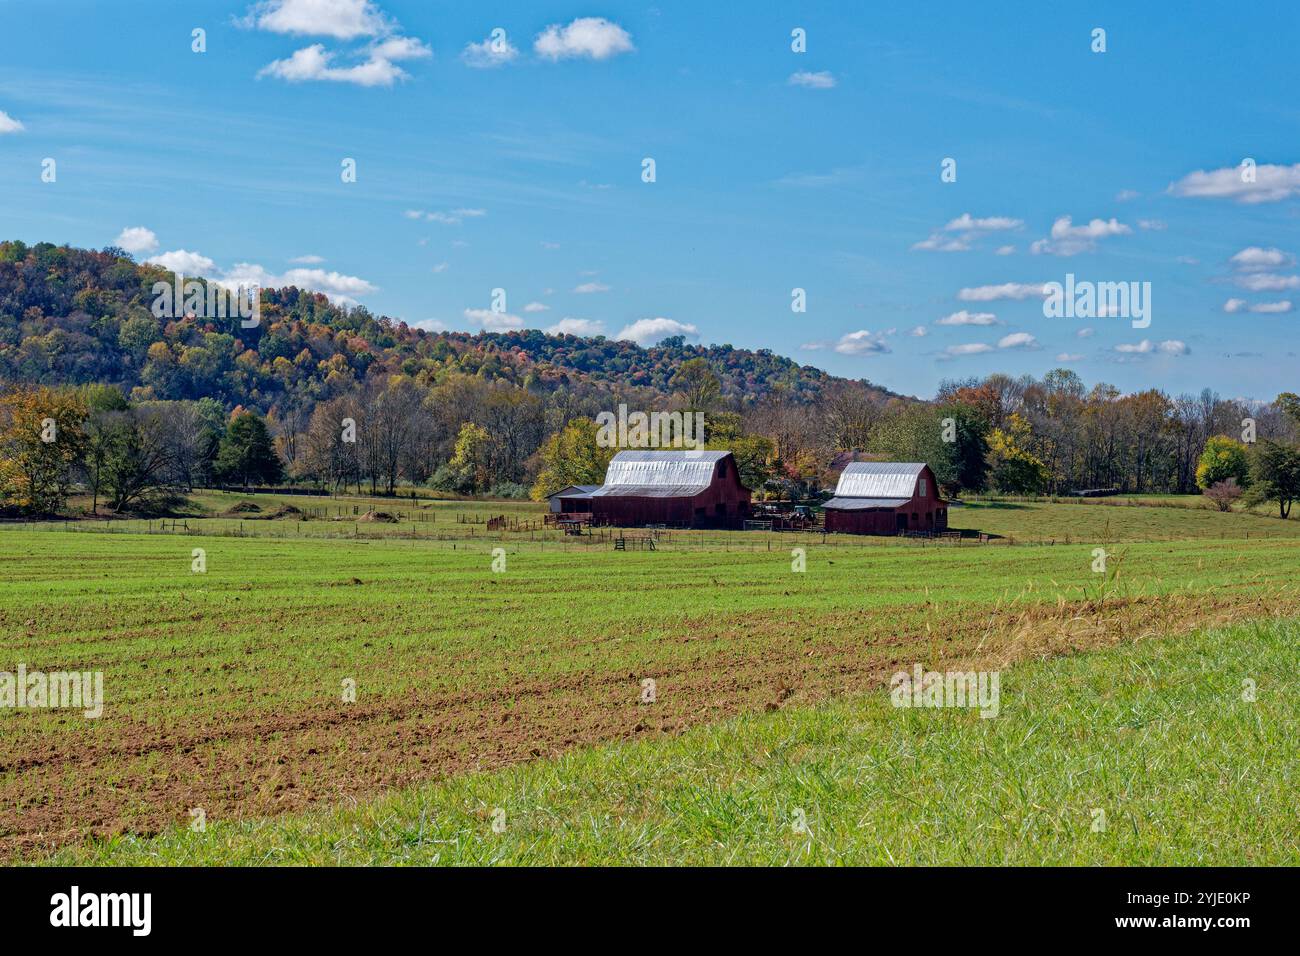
{"x":1145,"y":754}
{"x":223,"y":689}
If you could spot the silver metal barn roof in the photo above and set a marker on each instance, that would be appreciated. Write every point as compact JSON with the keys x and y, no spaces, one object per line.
{"x":864,"y":504}
{"x":882,"y":480}
{"x":659,"y":474}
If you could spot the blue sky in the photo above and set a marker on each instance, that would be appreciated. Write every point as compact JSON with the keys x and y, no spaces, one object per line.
{"x":520,"y":168}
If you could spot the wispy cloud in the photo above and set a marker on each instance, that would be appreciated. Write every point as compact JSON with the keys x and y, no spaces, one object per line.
{"x":822,"y":80}
{"x":1265,"y":183}
{"x":1068,"y":239}
{"x":1007,"y":290}
{"x":493,"y":52}
{"x":968,"y":318}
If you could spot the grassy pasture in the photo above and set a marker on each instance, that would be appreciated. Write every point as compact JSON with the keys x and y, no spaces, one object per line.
{"x":457,"y":522}
{"x":223,"y":689}
{"x":1142,"y":754}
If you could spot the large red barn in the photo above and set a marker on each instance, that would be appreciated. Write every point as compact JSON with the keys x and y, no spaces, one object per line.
{"x":886,"y":497}
{"x":695,"y":489}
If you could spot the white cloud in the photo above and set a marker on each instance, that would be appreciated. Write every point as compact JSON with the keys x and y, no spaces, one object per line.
{"x":440,"y":268}
{"x":452,"y":217}
{"x":589,"y":287}
{"x":1007,"y":290}
{"x":581,"y":327}
{"x":1272,"y":183}
{"x":491,"y":321}
{"x":1006,"y":250}
{"x":490,"y":53}
{"x":919,"y":332}
{"x":1085,"y":333}
{"x":313,"y":63}
{"x":1233,"y":306}
{"x":1069,"y":357}
{"x":649,"y":331}
{"x":1125,"y":195}
{"x":1147,"y":347}
{"x":1257,"y":259}
{"x":1153,"y":225}
{"x":537,"y":307}
{"x":862,"y":342}
{"x":1018,"y":340}
{"x":593,"y":37}
{"x":1270,"y":308}
{"x":430,"y":325}
{"x":399,"y":48}
{"x":340,"y":19}
{"x":822,"y":80}
{"x":307,"y":260}
{"x":185,"y":262}
{"x":338,"y":288}
{"x":972,"y":348}
{"x":1267,"y":282}
{"x":9,"y":125}
{"x":969,"y":318}
{"x":966,"y":223}
{"x":136,"y":239}
{"x":971,"y":229}
{"x":941,"y":243}
{"x":1069,"y":240}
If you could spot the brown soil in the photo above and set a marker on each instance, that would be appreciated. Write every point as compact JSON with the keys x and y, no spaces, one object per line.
{"x":147,"y":776}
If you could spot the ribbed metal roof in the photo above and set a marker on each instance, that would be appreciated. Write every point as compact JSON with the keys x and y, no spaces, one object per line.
{"x":879,"y":479}
{"x":659,"y":474}
{"x":864,"y":504}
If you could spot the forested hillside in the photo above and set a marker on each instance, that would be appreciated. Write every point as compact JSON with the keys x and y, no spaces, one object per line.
{"x":73,"y":316}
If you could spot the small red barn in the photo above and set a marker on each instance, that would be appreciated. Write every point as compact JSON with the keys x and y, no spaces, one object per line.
{"x":694,"y":489}
{"x":886,"y":497}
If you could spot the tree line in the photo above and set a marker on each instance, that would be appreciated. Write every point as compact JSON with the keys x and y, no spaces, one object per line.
{"x":470,"y":435}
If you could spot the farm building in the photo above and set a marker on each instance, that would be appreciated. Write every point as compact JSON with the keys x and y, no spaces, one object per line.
{"x":697,"y":489}
{"x":573,"y":499}
{"x":886,"y":497}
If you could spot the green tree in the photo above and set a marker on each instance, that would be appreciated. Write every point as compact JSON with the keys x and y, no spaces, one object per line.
{"x":950,"y":438}
{"x":571,"y":456}
{"x":246,"y":453}
{"x":1223,"y":458}
{"x":1013,"y":469}
{"x":469,"y":461}
{"x":698,"y":383}
{"x":1274,"y":475}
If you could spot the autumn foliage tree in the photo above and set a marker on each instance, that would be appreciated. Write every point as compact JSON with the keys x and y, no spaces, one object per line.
{"x":41,"y":441}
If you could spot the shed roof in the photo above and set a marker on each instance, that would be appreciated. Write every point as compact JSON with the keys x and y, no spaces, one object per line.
{"x":879,"y":479}
{"x":574,"y":491}
{"x":659,"y":474}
